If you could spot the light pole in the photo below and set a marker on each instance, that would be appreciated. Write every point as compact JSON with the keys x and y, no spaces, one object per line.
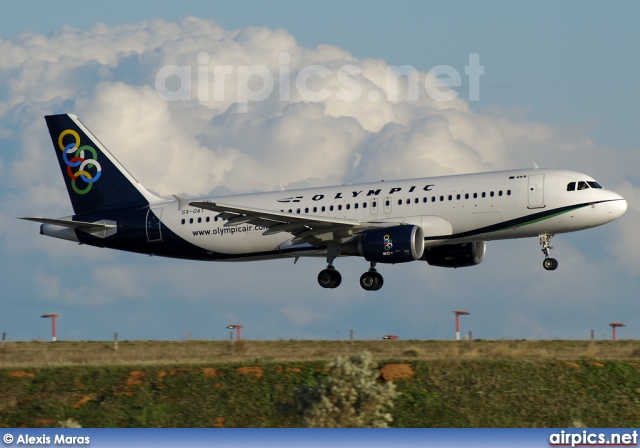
{"x":459,"y":313}
{"x":237,"y":327}
{"x":613,"y":326}
{"x":53,"y":317}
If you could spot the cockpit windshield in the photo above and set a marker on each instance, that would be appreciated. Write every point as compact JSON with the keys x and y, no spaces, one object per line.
{"x":582,"y":185}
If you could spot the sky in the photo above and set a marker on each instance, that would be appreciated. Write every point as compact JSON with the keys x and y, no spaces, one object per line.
{"x":558,"y":88}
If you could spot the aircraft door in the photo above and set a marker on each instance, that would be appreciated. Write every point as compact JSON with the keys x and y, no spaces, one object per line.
{"x":387,"y":205}
{"x":536,"y":191}
{"x":373,"y":206}
{"x":154,"y":233}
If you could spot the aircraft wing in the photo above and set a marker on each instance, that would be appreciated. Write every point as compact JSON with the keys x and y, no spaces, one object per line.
{"x":88,"y":227}
{"x":313,"y":229}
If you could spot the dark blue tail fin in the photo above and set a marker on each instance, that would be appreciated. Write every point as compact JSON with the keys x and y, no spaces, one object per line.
{"x":95,"y":179}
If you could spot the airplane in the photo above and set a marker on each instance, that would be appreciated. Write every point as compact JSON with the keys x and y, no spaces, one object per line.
{"x":445,"y":221}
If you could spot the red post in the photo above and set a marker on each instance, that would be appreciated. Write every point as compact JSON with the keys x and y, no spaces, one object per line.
{"x":54,"y":336}
{"x":613,"y":326}
{"x":459,"y":313}
{"x":237,"y":327}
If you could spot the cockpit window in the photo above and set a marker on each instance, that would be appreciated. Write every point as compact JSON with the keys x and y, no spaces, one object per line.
{"x":594,"y":184}
{"x":582,"y":185}
{"x":571,"y":186}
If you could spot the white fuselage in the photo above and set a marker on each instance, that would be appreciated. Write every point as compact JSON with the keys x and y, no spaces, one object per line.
{"x":450,"y":209}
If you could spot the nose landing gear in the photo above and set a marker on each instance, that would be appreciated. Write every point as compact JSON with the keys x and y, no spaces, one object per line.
{"x":550,"y":264}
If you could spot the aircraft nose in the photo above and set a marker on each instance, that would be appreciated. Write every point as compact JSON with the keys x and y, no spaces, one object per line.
{"x":621,"y":207}
{"x":617,"y":207}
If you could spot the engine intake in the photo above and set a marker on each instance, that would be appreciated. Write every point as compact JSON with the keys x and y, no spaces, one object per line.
{"x":396,"y":244}
{"x":456,"y":255}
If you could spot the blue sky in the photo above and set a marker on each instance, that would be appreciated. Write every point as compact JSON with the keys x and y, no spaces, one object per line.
{"x":559,"y":88}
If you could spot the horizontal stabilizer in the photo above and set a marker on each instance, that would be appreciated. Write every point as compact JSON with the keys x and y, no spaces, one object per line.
{"x":88,"y":227}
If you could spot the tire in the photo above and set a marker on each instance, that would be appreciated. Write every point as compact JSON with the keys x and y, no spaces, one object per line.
{"x":371,"y":281}
{"x":550,"y":264}
{"x":327,"y":279}
{"x":379,"y":281}
{"x":337,"y":279}
{"x":368,"y":281}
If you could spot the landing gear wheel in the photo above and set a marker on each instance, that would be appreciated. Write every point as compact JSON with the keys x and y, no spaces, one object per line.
{"x":371,"y":281}
{"x":550,"y":264}
{"x":329,"y":278}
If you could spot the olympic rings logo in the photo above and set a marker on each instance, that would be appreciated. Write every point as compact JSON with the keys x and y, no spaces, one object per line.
{"x":79,"y":161}
{"x":388,"y":244}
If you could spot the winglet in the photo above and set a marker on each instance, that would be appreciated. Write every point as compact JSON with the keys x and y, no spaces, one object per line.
{"x":535,"y":166}
{"x":182,"y":202}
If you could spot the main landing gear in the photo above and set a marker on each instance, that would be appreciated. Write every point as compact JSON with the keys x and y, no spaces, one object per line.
{"x":550,"y":264}
{"x":331,"y":278}
{"x":371,"y":280}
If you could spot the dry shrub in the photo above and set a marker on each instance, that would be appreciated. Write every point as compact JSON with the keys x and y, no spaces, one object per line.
{"x":350,"y":397}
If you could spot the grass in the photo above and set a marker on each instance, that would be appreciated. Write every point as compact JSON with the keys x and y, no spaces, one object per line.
{"x":437,"y":393}
{"x":144,"y":353}
{"x":254,"y":383}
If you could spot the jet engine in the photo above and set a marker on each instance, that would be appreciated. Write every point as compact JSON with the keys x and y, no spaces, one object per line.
{"x":397,"y":244}
{"x":456,"y":255}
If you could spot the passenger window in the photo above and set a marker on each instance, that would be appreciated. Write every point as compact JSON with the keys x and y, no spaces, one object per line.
{"x":190,"y":220}
{"x":306,"y":210}
{"x":364,"y":205}
{"x":323,"y":208}
{"x":500,"y":193}
{"x":571,"y":186}
{"x":290,"y":211}
{"x":424,"y":199}
{"x":416,"y":200}
{"x":466,"y":196}
{"x":298,"y":211}
{"x":508,"y":192}
{"x":491,"y":194}
{"x":199,"y":220}
{"x":208,"y":219}
{"x":399,"y":201}
{"x":475,"y":195}
{"x":355,"y":205}
{"x":433,"y":199}
{"x":484,"y":195}
{"x":450,"y":197}
{"x":441,"y":198}
{"x":348,"y":206}
{"x":408,"y":201}
{"x":374,"y":204}
{"x":387,"y":203}
{"x":331,"y":208}
{"x":582,"y":185}
{"x":340,"y":207}
{"x":183,"y":221}
{"x":458,"y":197}
{"x":216,"y":218}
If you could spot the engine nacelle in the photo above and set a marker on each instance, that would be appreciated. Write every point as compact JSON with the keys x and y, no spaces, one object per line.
{"x":396,"y":244}
{"x":456,"y":255}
